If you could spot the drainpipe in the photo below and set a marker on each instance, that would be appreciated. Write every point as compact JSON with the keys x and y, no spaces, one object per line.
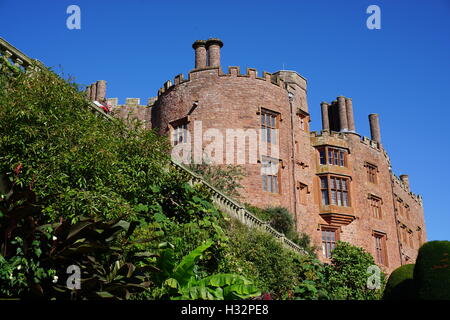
{"x":294,"y":188}
{"x":396,"y":220}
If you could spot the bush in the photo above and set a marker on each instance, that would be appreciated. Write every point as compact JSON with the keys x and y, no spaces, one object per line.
{"x":432,"y":271}
{"x":261,"y":258}
{"x":281,"y":220}
{"x":347,"y":275}
{"x":400,"y":284}
{"x":225,"y":178}
{"x":92,"y":167}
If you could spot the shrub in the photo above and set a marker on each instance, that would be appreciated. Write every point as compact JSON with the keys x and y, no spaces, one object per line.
{"x":225,"y":178}
{"x":400,"y":284}
{"x":261,"y":258}
{"x":347,"y":275}
{"x":432,"y":270}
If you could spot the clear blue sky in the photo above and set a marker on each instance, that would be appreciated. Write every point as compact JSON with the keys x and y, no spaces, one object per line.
{"x":401,"y":72}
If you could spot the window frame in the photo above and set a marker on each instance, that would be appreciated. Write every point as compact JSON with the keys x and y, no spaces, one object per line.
{"x":274,"y":180}
{"x":329,"y":190}
{"x":376,"y":200}
{"x":371,"y":172}
{"x":174,"y":127}
{"x":327,"y":250}
{"x":267,"y":129}
{"x":333,"y":156}
{"x":380,"y":248}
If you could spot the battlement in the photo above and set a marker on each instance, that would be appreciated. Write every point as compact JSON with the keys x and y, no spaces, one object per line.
{"x":130,"y":102}
{"x":405,"y":186}
{"x":233,"y":71}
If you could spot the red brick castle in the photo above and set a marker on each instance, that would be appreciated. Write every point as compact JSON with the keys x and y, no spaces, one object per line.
{"x":338,"y":184}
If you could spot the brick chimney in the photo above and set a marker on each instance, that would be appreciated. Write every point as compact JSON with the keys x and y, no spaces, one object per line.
{"x":405,"y":180}
{"x":350,"y":116}
{"x":342,"y":114}
{"x":375,"y":127}
{"x":213,"y":46}
{"x":93,"y":91}
{"x":325,"y":118}
{"x":101,"y":90}
{"x":200,"y":53}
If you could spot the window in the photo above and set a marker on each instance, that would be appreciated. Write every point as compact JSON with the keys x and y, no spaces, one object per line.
{"x":303,"y":193}
{"x":269,"y":171}
{"x":400,"y":207}
{"x":408,"y":212}
{"x":375,"y":206}
{"x":304,"y":122}
{"x":180,"y":134}
{"x":380,"y":248}
{"x":419,"y":235}
{"x":334,"y":190}
{"x":333,"y":156}
{"x":371,"y":172}
{"x":324,"y":191}
{"x":269,"y":126}
{"x":329,"y":240}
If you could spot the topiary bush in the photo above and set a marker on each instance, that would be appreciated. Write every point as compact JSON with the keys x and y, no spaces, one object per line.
{"x":400,"y":284}
{"x":432,"y":271}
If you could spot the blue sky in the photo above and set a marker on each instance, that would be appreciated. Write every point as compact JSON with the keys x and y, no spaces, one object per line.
{"x":401,"y":72}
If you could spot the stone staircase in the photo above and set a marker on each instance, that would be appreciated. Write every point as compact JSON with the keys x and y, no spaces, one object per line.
{"x":222,"y":201}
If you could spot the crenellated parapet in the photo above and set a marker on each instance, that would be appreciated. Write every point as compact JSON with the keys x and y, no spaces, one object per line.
{"x":403,"y":184}
{"x":233,"y":72}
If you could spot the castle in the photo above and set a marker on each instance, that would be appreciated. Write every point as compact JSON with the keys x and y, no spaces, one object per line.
{"x":338,"y":184}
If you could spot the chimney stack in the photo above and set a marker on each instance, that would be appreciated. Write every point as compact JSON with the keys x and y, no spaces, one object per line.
{"x":93,"y":91}
{"x":342,"y":114}
{"x":375,"y":127}
{"x":325,"y":119}
{"x":101,"y":90}
{"x":405,"y":180}
{"x":200,"y":53}
{"x":213,"y":46}
{"x":350,"y":116}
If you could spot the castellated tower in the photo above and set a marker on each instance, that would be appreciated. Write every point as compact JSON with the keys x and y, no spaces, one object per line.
{"x":337,"y":184}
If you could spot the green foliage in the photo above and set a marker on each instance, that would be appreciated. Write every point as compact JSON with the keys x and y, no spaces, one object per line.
{"x":400,"y":284}
{"x":181,"y":282}
{"x":432,"y":271}
{"x":225,"y":178}
{"x":312,"y":282}
{"x":260,"y":258}
{"x":347,"y":275}
{"x":92,"y":167}
{"x":281,"y":220}
{"x":36,"y":253}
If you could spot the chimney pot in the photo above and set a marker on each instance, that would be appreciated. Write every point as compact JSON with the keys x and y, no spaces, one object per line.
{"x":93,"y":91}
{"x":342,"y":114}
{"x":325,"y":118}
{"x":375,"y":127}
{"x":350,"y":115}
{"x":405,"y":179}
{"x":200,"y":53}
{"x":213,"y":46}
{"x":101,"y":91}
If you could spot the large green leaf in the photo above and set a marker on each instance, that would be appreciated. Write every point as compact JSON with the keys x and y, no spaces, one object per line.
{"x":185,"y":269}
